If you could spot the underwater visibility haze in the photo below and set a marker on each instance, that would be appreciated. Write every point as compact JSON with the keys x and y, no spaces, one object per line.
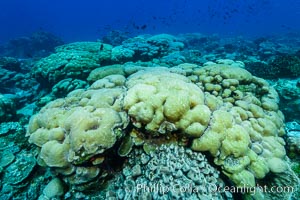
{"x":77,"y":20}
{"x":137,"y":99}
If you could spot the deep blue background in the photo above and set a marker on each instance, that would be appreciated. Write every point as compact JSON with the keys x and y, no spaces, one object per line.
{"x":75,"y":20}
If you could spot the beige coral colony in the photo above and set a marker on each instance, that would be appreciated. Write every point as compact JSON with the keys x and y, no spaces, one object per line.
{"x":218,"y":111}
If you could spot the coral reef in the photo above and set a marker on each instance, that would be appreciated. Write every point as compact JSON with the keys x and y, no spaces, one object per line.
{"x":157,"y":97}
{"x":286,"y":66}
{"x":281,"y":66}
{"x":8,"y":73}
{"x":293,"y":139}
{"x":75,"y":133}
{"x":77,"y":60}
{"x":146,"y":48}
{"x":17,"y":164}
{"x":54,"y":189}
{"x":115,"y":37}
{"x":172,"y":99}
{"x":74,"y":60}
{"x":65,"y":86}
{"x":7,"y":108}
{"x":169,"y":172}
{"x":245,"y":123}
{"x":218,"y":108}
{"x":289,"y":92}
{"x":10,"y":63}
{"x":16,"y":81}
{"x":23,"y":166}
{"x":285,"y":186}
{"x":38,"y":44}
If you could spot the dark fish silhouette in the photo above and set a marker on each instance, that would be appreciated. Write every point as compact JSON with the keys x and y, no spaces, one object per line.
{"x":101,"y":47}
{"x":143,"y":27}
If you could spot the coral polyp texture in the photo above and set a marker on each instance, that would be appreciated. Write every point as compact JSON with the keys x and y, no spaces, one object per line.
{"x":79,"y":130}
{"x":74,"y":60}
{"x":162,"y":101}
{"x":77,"y":60}
{"x":171,"y":171}
{"x":219,"y":109}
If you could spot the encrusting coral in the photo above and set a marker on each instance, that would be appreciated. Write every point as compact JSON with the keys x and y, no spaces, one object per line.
{"x":218,"y":108}
{"x":74,"y":60}
{"x":7,"y":108}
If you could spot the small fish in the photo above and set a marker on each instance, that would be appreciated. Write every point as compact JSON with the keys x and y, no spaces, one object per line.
{"x":143,"y":27}
{"x":101,"y":47}
{"x":29,"y":55}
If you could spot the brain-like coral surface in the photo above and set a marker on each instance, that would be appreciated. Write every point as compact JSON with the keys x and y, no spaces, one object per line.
{"x":163,"y":101}
{"x":78,"y":130}
{"x":218,"y":108}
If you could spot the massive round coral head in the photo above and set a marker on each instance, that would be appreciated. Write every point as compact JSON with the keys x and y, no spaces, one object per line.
{"x":157,"y":96}
{"x":220,"y":109}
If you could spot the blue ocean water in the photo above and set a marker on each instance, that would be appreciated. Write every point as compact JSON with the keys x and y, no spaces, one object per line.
{"x":75,"y":20}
